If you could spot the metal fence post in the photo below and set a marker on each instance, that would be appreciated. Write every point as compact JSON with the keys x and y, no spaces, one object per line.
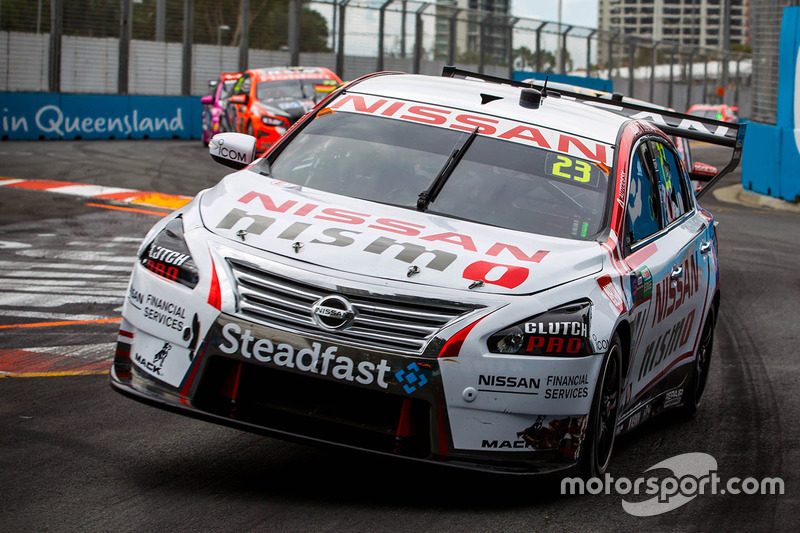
{"x":244,"y":43}
{"x":562,"y":54}
{"x":690,"y":77}
{"x":631,"y":65}
{"x":610,"y":55}
{"x":418,"y":35}
{"x":451,"y":45}
{"x":671,"y":75}
{"x":482,"y":37}
{"x":124,"y":46}
{"x":705,"y":78}
{"x":403,"y":10}
{"x":510,"y":45}
{"x":186,"y":58}
{"x":161,"y":20}
{"x":589,"y":53}
{"x":539,"y":46}
{"x":738,"y":81}
{"x":653,"y":61}
{"x":340,"y":46}
{"x":294,"y":32}
{"x":381,"y":33}
{"x":56,"y":29}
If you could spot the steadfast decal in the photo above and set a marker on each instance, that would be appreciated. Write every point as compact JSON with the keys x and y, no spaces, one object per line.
{"x":498,"y":128}
{"x":312,"y":359}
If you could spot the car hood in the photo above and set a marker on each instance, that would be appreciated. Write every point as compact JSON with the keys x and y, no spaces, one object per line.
{"x":385,"y":242}
{"x":293,"y":108}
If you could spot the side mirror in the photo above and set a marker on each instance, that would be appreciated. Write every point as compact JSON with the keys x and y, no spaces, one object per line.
{"x":235,"y":150}
{"x":207,"y":100}
{"x":238,"y":99}
{"x":703,"y":172}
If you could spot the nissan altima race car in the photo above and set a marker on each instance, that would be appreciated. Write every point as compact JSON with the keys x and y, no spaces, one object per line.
{"x":214,"y":116}
{"x":267,"y":101}
{"x":455,"y":269}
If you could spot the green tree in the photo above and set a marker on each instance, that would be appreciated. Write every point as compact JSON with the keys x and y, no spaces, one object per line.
{"x":526,"y":58}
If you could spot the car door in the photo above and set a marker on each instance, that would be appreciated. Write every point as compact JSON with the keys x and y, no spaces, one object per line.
{"x":239,"y":109}
{"x":670,"y":258}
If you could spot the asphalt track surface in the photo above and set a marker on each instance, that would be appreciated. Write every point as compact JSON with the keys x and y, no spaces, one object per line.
{"x":74,"y":455}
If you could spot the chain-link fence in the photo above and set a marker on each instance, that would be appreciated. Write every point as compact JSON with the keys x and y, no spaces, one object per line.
{"x":766,"y":32}
{"x":177,"y":46}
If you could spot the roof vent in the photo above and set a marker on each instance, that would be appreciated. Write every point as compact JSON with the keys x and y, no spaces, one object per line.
{"x":489,"y":98}
{"x":616,"y":97}
{"x":530,"y":98}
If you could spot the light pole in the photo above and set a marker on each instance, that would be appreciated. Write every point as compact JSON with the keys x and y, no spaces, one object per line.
{"x":221,"y":28}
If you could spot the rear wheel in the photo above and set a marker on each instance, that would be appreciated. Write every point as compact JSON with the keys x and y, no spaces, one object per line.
{"x":702,"y":365}
{"x":250,"y":129}
{"x":599,"y":444}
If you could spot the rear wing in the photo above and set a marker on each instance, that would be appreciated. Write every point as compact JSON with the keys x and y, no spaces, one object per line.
{"x":670,"y":122}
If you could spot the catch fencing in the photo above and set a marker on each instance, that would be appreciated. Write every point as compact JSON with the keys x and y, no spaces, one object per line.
{"x":175,"y":47}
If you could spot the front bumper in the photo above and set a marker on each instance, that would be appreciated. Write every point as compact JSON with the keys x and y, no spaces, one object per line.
{"x":273,"y":384}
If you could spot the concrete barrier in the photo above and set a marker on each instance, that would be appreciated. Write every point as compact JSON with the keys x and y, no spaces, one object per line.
{"x":771,"y":155}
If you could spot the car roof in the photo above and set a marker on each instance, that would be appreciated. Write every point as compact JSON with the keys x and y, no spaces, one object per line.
{"x":291,"y":73}
{"x":561,"y":114}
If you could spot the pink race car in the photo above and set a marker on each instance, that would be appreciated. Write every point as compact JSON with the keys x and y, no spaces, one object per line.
{"x":214,"y":117}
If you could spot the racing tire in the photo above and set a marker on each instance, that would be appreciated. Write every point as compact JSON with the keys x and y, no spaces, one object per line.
{"x":698,"y":378}
{"x":250,"y":130}
{"x":601,"y":431}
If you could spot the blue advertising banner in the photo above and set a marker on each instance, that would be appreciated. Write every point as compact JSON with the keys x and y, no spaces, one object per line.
{"x":39,"y":116}
{"x":596,"y":84}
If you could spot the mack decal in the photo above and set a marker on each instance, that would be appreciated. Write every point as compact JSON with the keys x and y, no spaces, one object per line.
{"x":311,"y":359}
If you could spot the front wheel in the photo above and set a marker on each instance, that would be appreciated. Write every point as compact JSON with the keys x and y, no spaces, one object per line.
{"x":599,"y":443}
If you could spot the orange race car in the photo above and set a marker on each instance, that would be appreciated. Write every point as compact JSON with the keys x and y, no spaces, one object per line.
{"x":267,"y":101}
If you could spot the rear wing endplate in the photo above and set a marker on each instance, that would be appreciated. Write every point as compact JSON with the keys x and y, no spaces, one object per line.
{"x":670,"y":122}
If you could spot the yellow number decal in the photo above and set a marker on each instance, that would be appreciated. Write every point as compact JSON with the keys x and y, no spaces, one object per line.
{"x":585,"y":169}
{"x":563,"y":161}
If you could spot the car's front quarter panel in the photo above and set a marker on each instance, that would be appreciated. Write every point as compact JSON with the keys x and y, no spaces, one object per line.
{"x":519,"y":404}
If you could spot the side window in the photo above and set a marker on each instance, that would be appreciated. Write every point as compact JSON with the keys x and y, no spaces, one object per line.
{"x":643,"y":216}
{"x":670,"y":182}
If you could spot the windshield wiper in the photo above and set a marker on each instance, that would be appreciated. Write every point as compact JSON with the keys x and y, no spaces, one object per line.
{"x":429,"y":195}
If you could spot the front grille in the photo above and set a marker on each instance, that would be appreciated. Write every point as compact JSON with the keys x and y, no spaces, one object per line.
{"x":382,"y":321}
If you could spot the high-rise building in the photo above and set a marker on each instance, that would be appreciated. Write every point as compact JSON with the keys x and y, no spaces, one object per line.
{"x":491,"y":13}
{"x":687,"y":22}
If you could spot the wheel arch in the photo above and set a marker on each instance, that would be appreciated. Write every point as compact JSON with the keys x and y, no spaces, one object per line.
{"x":623,"y":329}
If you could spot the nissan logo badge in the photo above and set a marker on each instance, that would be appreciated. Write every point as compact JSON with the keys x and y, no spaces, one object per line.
{"x":333,"y":312}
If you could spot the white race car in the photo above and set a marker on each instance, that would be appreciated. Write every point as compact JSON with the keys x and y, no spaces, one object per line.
{"x":451,"y":269}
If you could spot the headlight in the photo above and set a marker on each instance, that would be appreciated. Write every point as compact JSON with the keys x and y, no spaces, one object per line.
{"x":563,"y":331}
{"x":272,"y":121}
{"x":168,"y":256}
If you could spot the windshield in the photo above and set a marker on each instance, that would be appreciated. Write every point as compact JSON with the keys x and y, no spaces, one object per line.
{"x":225,"y":89}
{"x":497,"y":182}
{"x":300,"y":89}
